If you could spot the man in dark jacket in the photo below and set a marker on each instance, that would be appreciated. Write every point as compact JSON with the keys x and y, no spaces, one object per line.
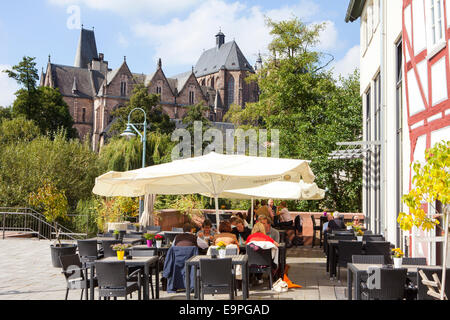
{"x":337,"y":222}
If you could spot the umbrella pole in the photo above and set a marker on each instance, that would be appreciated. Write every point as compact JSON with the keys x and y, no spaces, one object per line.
{"x":251,"y":219}
{"x":216,"y":200}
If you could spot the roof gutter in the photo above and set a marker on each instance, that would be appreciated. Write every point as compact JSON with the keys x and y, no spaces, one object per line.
{"x":354,"y":10}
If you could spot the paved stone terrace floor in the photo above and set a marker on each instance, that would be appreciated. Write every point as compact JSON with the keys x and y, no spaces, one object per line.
{"x":26,"y":273}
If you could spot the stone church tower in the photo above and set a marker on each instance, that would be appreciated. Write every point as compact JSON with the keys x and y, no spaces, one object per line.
{"x":92,"y":90}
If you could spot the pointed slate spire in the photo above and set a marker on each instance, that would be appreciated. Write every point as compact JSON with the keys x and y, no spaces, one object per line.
{"x":159,"y":65}
{"x":87,"y":49}
{"x":258,"y":64}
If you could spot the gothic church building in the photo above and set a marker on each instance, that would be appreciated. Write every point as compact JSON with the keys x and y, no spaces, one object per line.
{"x":93,"y":91}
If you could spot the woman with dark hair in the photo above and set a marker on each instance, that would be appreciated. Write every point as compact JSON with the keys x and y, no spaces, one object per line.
{"x":206,"y":233}
{"x":225,"y":234}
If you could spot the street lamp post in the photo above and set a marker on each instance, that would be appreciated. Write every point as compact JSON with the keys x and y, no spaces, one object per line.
{"x":129,"y":133}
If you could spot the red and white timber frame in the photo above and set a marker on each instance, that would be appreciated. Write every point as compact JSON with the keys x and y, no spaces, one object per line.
{"x":425,"y":74}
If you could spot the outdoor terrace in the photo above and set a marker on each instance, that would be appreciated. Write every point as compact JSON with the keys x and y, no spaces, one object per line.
{"x":27,"y":274}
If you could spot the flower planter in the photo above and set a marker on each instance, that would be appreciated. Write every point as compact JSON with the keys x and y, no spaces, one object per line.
{"x":149,"y":243}
{"x":359,"y":238}
{"x":222,"y":253}
{"x":120,"y":255}
{"x":63,"y":250}
{"x":158,"y":243}
{"x":397,"y":262}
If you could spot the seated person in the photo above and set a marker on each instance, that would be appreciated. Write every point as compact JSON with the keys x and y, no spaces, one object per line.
{"x":336,"y":223}
{"x":239,"y":229}
{"x":264,"y":210}
{"x":188,"y":239}
{"x":357,"y":222}
{"x":258,"y":238}
{"x":206,"y":233}
{"x":225,"y":234}
{"x":271,"y":232}
{"x":259,"y":234}
{"x":244,"y":218}
{"x":286,"y":222}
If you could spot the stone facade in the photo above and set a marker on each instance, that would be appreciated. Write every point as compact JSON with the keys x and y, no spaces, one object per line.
{"x":92,"y":91}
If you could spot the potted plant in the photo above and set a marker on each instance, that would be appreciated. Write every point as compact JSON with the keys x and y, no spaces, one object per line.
{"x":120,"y":250}
{"x":137,"y":226}
{"x":159,"y":238}
{"x":349,"y":225}
{"x":116,"y":234}
{"x":221,"y":249}
{"x":359,"y":234}
{"x":53,"y":204}
{"x":397,"y":257}
{"x":149,"y":237}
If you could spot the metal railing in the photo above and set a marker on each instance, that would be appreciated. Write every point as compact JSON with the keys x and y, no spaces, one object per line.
{"x":28,"y":221}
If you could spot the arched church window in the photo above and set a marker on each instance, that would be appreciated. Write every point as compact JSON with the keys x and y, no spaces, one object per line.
{"x":230,"y":90}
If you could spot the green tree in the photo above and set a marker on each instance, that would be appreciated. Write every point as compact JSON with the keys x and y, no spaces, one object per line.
{"x":47,"y":108}
{"x":51,"y":202}
{"x":5,"y":113}
{"x":68,"y":164}
{"x":25,"y":73}
{"x":18,"y":129}
{"x":311,"y":110}
{"x":43,"y":105}
{"x":121,"y":154}
{"x":141,"y":98}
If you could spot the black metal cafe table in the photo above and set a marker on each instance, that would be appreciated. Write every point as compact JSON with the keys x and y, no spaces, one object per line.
{"x":144,"y":262}
{"x":355,"y":271}
{"x":161,"y":251}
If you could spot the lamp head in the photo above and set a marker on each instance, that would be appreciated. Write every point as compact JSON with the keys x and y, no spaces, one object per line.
{"x":129,"y":132}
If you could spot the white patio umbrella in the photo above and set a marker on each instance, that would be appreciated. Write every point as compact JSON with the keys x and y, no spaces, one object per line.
{"x":281,"y":190}
{"x":212,"y":173}
{"x":146,"y":217}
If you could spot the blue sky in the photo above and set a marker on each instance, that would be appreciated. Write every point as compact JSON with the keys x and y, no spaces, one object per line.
{"x":177,"y":31}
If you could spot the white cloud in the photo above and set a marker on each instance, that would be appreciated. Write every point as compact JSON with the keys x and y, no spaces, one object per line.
{"x":122,"y":40}
{"x":328,"y":37}
{"x":348,"y":63}
{"x":137,"y":7}
{"x":8,"y":87}
{"x":245,"y":24}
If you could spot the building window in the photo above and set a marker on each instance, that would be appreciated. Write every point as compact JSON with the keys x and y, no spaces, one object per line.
{"x":158,"y":90}
{"x":230,"y":91}
{"x":368,"y":161}
{"x":377,"y":153}
{"x":123,"y":89}
{"x":83,"y":115}
{"x":212,"y":82}
{"x":435,"y":22}
{"x":191,"y":97}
